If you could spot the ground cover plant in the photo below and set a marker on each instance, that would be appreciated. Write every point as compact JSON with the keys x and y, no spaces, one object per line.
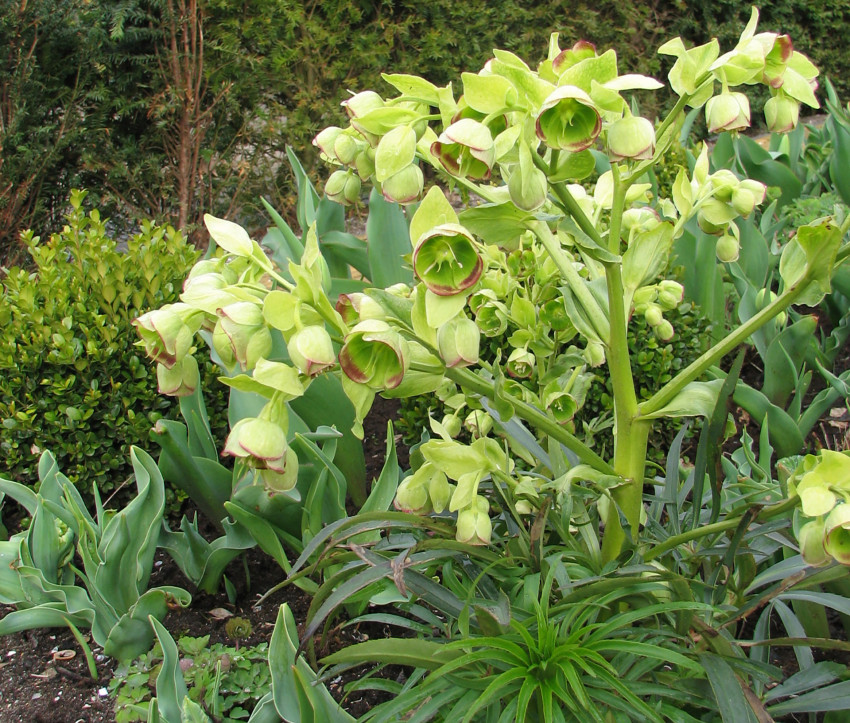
{"x":531,"y":575}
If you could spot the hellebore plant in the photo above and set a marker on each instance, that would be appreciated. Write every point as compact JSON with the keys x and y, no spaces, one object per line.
{"x":566,"y":265}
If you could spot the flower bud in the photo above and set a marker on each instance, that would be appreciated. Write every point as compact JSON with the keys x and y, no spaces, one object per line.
{"x":643,"y":218}
{"x":404,"y":186}
{"x":440,"y":491}
{"x":282,"y":481}
{"x":568,"y":120}
{"x":343,"y":187}
{"x":458,"y":341}
{"x":837,"y":533}
{"x":364,"y":163}
{"x":346,"y":148}
{"x":452,"y":424}
{"x":181,"y":379}
{"x":781,"y":113}
{"x":644,"y":295}
{"x":727,"y":248}
{"x":474,"y":526}
{"x":727,"y":112}
{"x":325,"y":140}
{"x":653,"y":314}
{"x":412,"y":496}
{"x":446,"y":260}
{"x":631,"y":139}
{"x":811,"y":539}
{"x":664,"y":330}
{"x":375,"y":355}
{"x":311,"y":350}
{"x":670,"y":294}
{"x":478,"y":423}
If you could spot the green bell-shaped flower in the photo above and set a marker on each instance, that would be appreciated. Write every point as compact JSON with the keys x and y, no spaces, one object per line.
{"x":458,"y":341}
{"x":167,"y":333}
{"x":179,"y":380}
{"x":446,"y":260}
{"x":631,"y":139}
{"x":405,"y":186}
{"x":811,"y":539}
{"x":241,"y":326}
{"x":473,"y":524}
{"x":727,"y":112}
{"x":781,"y":113}
{"x":568,"y":120}
{"x":374,"y":354}
{"x":343,"y":187}
{"x":836,"y":529}
{"x":311,"y":350}
{"x":466,"y":149}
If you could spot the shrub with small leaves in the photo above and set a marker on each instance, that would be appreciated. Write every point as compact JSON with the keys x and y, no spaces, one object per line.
{"x":72,"y":379}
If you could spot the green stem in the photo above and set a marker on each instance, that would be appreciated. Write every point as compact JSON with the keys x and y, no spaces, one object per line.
{"x":630,"y":434}
{"x":717,"y":527}
{"x":712,"y":356}
{"x":571,"y":205}
{"x":469,"y":381}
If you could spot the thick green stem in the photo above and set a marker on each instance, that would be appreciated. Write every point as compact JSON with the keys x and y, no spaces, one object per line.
{"x":630,"y":434}
{"x":470,"y":382}
{"x":718,"y":527}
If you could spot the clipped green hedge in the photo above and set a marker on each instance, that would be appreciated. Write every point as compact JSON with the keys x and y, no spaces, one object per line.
{"x":72,"y":380}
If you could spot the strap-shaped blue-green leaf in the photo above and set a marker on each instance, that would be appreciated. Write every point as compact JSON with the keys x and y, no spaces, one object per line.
{"x":170,"y":684}
{"x":389,"y":242}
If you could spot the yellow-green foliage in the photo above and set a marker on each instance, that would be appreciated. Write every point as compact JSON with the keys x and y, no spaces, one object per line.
{"x":71,"y":379}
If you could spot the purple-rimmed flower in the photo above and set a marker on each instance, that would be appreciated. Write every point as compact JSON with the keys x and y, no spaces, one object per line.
{"x":568,"y":120}
{"x":311,"y":350}
{"x":167,"y":333}
{"x":466,"y":149}
{"x":458,"y":341}
{"x":727,"y":112}
{"x":179,"y":380}
{"x":374,"y":354}
{"x":405,"y":186}
{"x":262,"y":444}
{"x":836,"y":529}
{"x":241,"y":335}
{"x":631,"y":139}
{"x":446,"y":260}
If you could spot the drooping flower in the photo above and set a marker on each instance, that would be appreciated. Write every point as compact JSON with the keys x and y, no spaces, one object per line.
{"x":446,"y":260}
{"x":374,"y":354}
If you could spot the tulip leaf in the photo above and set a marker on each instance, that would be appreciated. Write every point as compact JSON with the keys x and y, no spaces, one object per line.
{"x":388,"y":242}
{"x":308,"y":197}
{"x":170,"y":684}
{"x":292,"y":677}
{"x":348,"y":247}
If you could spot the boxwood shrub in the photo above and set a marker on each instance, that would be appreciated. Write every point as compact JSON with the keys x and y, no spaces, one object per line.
{"x":72,"y":379}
